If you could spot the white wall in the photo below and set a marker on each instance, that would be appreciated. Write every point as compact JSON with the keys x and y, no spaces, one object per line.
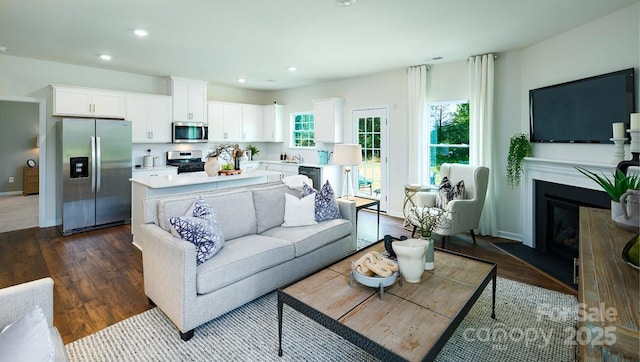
{"x":388,"y":89}
{"x":605,"y":45}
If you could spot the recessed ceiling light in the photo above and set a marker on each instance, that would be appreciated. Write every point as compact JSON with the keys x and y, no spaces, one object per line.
{"x":241,"y":80}
{"x":141,"y":32}
{"x":2,"y":49}
{"x":345,"y":2}
{"x":292,"y":69}
{"x":105,"y":57}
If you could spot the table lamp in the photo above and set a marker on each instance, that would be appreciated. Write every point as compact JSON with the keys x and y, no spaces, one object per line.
{"x":347,"y":155}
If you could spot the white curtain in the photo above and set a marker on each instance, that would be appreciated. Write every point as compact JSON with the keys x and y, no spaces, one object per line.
{"x":481,"y":132}
{"x":417,"y":83}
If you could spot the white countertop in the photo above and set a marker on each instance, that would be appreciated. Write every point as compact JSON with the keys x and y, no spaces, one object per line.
{"x":153,"y":168}
{"x":195,"y":178}
{"x":306,"y":164}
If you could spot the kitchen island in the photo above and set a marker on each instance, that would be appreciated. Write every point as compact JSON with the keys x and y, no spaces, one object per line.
{"x":146,"y":187}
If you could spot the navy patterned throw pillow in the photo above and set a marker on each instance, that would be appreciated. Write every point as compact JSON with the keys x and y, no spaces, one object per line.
{"x":326,"y":205}
{"x":202,"y":230}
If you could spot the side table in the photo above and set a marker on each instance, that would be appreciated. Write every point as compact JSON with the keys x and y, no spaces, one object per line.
{"x":409,"y":191}
{"x":363,"y":202}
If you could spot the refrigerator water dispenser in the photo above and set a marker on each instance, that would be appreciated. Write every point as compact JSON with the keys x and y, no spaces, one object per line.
{"x":79,"y":167}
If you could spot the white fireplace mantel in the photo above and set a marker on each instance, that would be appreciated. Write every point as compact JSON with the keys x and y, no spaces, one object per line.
{"x":557,"y":171}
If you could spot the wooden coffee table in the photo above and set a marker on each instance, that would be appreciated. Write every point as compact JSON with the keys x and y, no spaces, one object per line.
{"x":413,"y":321}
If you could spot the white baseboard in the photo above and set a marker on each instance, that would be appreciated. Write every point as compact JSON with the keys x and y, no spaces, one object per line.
{"x":11,"y":193}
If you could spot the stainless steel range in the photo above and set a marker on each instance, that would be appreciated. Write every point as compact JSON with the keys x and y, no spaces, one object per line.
{"x":186,"y":161}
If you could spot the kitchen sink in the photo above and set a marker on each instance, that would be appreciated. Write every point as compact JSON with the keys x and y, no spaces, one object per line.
{"x":289,"y":161}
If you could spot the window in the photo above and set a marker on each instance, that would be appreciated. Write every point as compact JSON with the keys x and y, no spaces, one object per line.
{"x":302,"y":130}
{"x":448,"y":137}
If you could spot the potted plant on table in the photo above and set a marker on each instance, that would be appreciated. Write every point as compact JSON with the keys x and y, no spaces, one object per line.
{"x":427,"y":220}
{"x":519,"y":148}
{"x":616,"y":188}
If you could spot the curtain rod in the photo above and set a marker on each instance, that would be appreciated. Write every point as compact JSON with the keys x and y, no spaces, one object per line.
{"x":473,"y":56}
{"x":419,"y":65}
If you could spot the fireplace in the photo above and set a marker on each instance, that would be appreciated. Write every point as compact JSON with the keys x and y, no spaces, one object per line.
{"x":557,"y":221}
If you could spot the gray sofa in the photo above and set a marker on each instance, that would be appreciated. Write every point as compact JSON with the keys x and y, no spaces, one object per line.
{"x":259,"y":255}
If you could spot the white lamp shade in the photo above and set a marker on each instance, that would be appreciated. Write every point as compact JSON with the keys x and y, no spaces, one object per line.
{"x":347,"y":154}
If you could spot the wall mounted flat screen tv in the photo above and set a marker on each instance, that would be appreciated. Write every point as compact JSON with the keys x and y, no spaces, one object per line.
{"x":582,"y":111}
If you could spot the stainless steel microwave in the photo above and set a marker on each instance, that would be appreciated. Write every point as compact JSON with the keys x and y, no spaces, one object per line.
{"x":189,"y":132}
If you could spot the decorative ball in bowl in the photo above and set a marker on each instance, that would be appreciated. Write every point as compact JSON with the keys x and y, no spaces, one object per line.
{"x":374,"y":281}
{"x":373,"y":270}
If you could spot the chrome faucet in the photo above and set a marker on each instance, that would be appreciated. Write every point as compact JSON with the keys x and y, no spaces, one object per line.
{"x":299,"y":158}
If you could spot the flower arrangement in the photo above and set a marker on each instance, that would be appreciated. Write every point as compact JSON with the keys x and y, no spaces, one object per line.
{"x":620,"y":184}
{"x":428,"y":219}
{"x":224,"y":149}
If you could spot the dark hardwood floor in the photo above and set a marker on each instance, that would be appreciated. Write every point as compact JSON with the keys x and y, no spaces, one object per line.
{"x":98,"y":274}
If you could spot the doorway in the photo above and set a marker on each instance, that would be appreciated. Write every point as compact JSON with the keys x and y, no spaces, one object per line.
{"x":22,"y":122}
{"x":371,"y":130}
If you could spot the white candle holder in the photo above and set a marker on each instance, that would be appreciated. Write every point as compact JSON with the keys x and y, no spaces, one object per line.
{"x":618,"y":151}
{"x":635,"y":140}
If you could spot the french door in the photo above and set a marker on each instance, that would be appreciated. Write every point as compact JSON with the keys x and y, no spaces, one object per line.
{"x":370,"y":178}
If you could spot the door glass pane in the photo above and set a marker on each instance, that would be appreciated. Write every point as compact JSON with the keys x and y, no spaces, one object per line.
{"x":369,"y":172}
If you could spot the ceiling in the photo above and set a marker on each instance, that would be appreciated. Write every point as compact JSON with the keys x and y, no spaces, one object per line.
{"x":221,"y":41}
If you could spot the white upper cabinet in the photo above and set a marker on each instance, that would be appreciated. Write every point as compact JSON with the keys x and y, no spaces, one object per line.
{"x":225,"y":121}
{"x":87,"y":102}
{"x":328,"y":115}
{"x":150,"y":116}
{"x":189,"y":100}
{"x":237,"y":122}
{"x":273,"y":123}
{"x":252,"y":123}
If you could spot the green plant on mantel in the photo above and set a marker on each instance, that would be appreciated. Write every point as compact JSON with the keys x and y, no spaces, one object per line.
{"x":620,"y":184}
{"x":519,"y":148}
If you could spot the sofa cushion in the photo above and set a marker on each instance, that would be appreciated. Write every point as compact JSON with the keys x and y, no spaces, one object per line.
{"x":309,"y":238}
{"x":240,"y":258}
{"x":269,"y":204}
{"x":236,"y":213}
{"x":27,"y":339}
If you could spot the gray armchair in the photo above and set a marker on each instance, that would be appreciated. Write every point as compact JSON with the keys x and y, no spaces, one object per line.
{"x":17,"y":300}
{"x":465,"y":214}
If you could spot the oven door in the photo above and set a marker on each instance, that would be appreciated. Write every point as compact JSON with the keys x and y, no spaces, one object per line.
{"x":189,"y":132}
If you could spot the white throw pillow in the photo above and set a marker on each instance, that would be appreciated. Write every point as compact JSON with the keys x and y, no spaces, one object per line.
{"x":27,"y":339}
{"x":299,"y":212}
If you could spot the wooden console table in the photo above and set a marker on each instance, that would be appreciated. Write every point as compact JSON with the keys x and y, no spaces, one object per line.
{"x":607,"y":285}
{"x":30,"y":180}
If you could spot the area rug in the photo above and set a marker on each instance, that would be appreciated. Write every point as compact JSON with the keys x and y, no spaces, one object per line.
{"x":533,"y":324}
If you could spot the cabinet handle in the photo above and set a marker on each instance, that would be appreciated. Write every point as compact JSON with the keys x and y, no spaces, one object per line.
{"x":151,"y":134}
{"x":576,"y":277}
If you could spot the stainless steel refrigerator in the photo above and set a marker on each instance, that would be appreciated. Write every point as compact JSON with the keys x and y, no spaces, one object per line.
{"x":95,"y":165}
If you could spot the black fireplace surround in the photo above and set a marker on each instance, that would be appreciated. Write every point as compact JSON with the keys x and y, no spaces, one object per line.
{"x":556,"y":216}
